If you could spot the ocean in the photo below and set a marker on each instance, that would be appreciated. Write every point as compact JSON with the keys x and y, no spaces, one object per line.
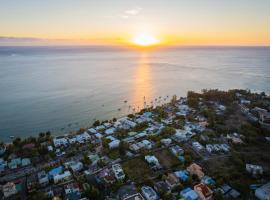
{"x":64,"y":88}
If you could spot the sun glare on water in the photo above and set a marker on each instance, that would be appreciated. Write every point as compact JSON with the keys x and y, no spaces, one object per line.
{"x":145,"y":39}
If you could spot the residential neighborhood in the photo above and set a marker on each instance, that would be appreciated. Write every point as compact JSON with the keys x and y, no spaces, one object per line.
{"x":208,"y":145}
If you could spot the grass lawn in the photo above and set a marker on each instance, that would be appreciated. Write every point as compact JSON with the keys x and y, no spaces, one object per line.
{"x":166,"y":159}
{"x":137,"y":169}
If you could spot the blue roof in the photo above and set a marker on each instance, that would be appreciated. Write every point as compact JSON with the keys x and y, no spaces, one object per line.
{"x":189,"y":194}
{"x":54,"y":171}
{"x":182,"y":175}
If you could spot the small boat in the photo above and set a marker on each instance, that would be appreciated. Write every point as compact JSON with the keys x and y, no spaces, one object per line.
{"x":12,"y":136}
{"x":125,"y":101}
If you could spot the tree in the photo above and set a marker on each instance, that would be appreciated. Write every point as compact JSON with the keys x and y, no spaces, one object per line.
{"x":123,"y":146}
{"x":39,"y":196}
{"x":167,"y":131}
{"x":96,"y":123}
{"x":92,"y":193}
{"x":86,"y":160}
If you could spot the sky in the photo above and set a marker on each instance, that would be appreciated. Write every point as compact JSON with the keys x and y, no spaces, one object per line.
{"x":118,"y":22}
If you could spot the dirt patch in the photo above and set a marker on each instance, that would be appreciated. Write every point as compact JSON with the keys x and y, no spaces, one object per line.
{"x":166,"y":159}
{"x":137,"y":170}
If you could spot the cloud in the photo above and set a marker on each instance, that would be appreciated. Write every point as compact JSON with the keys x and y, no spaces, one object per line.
{"x":132,"y":12}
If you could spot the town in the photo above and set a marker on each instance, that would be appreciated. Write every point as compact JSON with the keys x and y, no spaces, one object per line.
{"x":209,"y":145}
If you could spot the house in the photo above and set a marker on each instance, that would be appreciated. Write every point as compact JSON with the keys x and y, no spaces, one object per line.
{"x":9,"y":189}
{"x":55,"y":171}
{"x":183,"y":175}
{"x":136,"y":196}
{"x":94,"y":158}
{"x":100,"y":127}
{"x":110,"y":131}
{"x":182,"y":135}
{"x":254,"y":169}
{"x":31,"y":182}
{"x":128,"y":192}
{"x":197,"y":146}
{"x":105,"y":175}
{"x":74,"y":166}
{"x":195,"y":169}
{"x":43,"y":178}
{"x":263,"y":192}
{"x":114,"y":144}
{"x":172,"y":180}
{"x":118,"y":172}
{"x":161,"y":187}
{"x":3,"y":164}
{"x":92,"y":131}
{"x":83,"y":137}
{"x":50,"y":148}
{"x":126,"y":123}
{"x":189,"y":194}
{"x":26,"y":161}
{"x":60,"y":141}
{"x":204,"y":192}
{"x":177,"y":150}
{"x":149,"y":193}
{"x":232,"y":194}
{"x":208,"y":180}
{"x":13,"y":164}
{"x":72,"y":191}
{"x":62,"y":177}
{"x":153,"y":162}
{"x":147,"y":144}
{"x":166,"y":141}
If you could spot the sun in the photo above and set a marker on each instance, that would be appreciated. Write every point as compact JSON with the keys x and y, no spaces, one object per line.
{"x":145,"y":39}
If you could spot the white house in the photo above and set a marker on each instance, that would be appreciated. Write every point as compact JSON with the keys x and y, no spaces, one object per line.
{"x":60,"y":141}
{"x":9,"y":189}
{"x":110,"y":131}
{"x":114,"y":144}
{"x":43,"y":178}
{"x":149,"y":193}
{"x":263,"y":192}
{"x":118,"y":171}
{"x":75,"y":166}
{"x":254,"y":169}
{"x":62,"y":177}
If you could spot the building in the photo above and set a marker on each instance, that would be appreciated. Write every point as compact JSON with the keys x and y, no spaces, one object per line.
{"x":161,"y":187}
{"x":62,"y":177}
{"x":149,"y":193}
{"x":114,"y":144}
{"x":195,"y":169}
{"x":60,"y":141}
{"x":55,"y":171}
{"x":189,"y":194}
{"x":31,"y":182}
{"x":263,"y":192}
{"x":182,"y":175}
{"x":9,"y":189}
{"x":177,"y":150}
{"x":43,"y":178}
{"x":118,"y":171}
{"x":153,"y":162}
{"x":26,"y":161}
{"x":254,"y":169}
{"x":72,"y":191}
{"x":166,"y":141}
{"x":204,"y":192}
{"x":74,"y":166}
{"x":110,"y":131}
{"x":172,"y":180}
{"x":197,"y":146}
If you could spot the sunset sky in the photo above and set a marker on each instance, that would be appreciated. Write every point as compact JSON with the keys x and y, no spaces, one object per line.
{"x":125,"y":22}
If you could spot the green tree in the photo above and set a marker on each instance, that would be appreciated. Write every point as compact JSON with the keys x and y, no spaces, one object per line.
{"x":96,"y":123}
